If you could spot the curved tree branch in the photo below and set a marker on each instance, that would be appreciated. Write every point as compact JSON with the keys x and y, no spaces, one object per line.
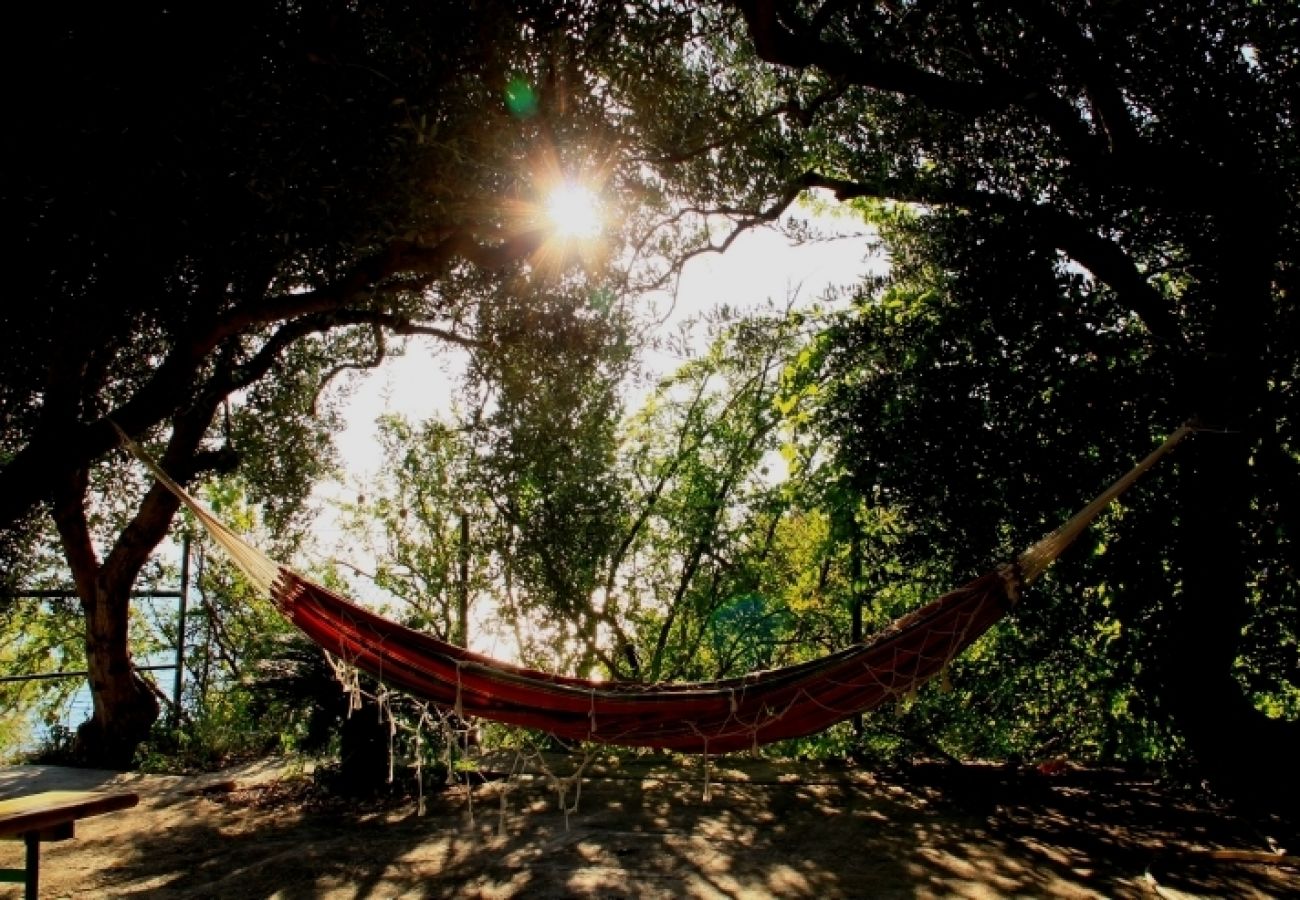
{"x":64,"y":444}
{"x":1086,"y":60}
{"x":1106,"y":260}
{"x":69,"y":512}
{"x":800,"y":46}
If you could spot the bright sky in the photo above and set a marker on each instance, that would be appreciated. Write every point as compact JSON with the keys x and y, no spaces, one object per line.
{"x":762,"y":264}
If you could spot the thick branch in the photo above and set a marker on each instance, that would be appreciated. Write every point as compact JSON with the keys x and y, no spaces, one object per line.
{"x":1106,"y":261}
{"x":294,"y":331}
{"x":66,"y":444}
{"x":777,"y":43}
{"x":399,"y":258}
{"x":1085,"y":60}
{"x":184,"y":459}
{"x":69,"y":512}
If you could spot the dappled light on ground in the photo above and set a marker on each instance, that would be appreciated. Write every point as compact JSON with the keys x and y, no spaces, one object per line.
{"x":643,"y":829}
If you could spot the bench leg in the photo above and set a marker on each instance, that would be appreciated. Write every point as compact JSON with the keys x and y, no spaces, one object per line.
{"x":30,"y":876}
{"x":33,"y":865}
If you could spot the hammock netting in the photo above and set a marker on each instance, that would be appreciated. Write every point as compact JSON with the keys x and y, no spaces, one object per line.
{"x":706,"y":717}
{"x":701,"y":717}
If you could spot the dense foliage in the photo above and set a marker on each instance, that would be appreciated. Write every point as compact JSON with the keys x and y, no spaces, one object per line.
{"x":1105,"y":246}
{"x":1089,"y":207}
{"x":218,"y":212}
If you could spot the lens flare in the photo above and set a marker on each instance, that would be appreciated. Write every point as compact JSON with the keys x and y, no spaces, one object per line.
{"x":573,"y":211}
{"x":521,"y":99}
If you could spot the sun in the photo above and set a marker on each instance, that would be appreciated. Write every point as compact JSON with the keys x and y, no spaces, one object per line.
{"x":573,"y":211}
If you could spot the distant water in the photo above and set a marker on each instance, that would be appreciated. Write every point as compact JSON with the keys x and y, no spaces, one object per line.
{"x":158,"y":615}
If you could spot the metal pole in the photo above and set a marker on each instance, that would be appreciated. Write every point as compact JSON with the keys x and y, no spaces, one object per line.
{"x":464,"y":580}
{"x":72,"y":673}
{"x":855,"y":586}
{"x":179,"y":683}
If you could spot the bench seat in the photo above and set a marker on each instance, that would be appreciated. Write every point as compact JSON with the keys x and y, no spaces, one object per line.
{"x":51,"y":816}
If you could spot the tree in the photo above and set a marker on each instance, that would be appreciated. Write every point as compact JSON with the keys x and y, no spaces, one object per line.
{"x":661,"y":546}
{"x":217,"y":213}
{"x":421,"y":519}
{"x":725,"y":559}
{"x":545,"y":426}
{"x":952,"y":397}
{"x":1127,"y":175}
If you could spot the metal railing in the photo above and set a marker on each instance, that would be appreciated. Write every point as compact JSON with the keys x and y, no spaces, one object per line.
{"x":181,"y":595}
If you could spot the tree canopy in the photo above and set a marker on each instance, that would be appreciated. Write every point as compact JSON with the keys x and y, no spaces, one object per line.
{"x":1089,"y":208}
{"x":219,"y":212}
{"x":1105,"y":247}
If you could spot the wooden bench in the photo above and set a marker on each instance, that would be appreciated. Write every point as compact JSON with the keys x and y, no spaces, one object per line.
{"x":50,"y":816}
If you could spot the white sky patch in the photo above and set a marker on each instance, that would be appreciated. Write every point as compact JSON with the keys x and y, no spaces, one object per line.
{"x":761,"y":265}
{"x":419,"y":385}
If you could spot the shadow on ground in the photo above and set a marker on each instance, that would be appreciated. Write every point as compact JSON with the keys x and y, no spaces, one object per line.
{"x":645,"y":830}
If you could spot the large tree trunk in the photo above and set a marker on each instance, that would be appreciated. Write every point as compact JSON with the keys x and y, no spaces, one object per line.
{"x":1240,"y":749}
{"x":125,"y":707}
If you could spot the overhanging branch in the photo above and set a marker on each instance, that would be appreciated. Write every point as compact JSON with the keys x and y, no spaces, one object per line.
{"x":399,"y":258}
{"x":1106,"y":261}
{"x":67,"y":444}
{"x":779,"y":42}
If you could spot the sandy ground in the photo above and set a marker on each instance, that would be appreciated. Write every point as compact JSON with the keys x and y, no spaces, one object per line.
{"x":644,"y":828}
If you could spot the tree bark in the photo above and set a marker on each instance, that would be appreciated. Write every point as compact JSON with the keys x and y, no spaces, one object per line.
{"x":1241,"y":750}
{"x":125,"y":708}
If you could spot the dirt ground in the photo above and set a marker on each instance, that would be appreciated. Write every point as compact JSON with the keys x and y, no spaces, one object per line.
{"x":645,"y":829}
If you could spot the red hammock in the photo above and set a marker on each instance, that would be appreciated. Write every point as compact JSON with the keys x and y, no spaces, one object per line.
{"x":699,"y":717}
{"x":704,"y":717}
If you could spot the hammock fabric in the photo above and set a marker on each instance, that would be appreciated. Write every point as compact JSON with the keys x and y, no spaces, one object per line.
{"x":703,"y":717}
{"x":706,"y":717}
